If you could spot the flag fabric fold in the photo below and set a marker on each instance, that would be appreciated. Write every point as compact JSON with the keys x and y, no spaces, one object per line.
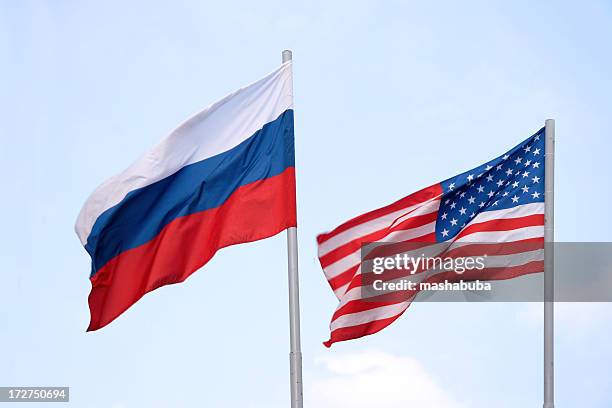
{"x":225,"y":176}
{"x":501,"y":201}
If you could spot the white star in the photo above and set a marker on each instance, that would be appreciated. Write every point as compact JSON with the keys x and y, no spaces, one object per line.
{"x":451,"y":186}
{"x":491,"y":194}
{"x":509,"y":172}
{"x":444,"y":216}
{"x":499,"y":167}
{"x":515,"y":184}
{"x":488,"y":168}
{"x":462,"y":194}
{"x":472,"y":215}
{"x":462,"y":211}
{"x":482,"y":204}
{"x":525,"y":189}
{"x":471,"y":200}
{"x":515,"y":199}
{"x":505,"y":193}
{"x":527,"y":149}
{"x":536,"y":152}
{"x":518,"y":160}
{"x":500,"y":183}
{"x":525,"y":174}
{"x":453,"y":222}
{"x":536,"y":179}
{"x":489,"y":178}
{"x":535,"y":194}
{"x":537,"y":138}
{"x":445,"y":232}
{"x":505,"y":157}
{"x":495,"y":202}
{"x":470,"y":177}
{"x":527,"y":163}
{"x":480,"y":189}
{"x":536,"y":165}
{"x":453,"y":205}
{"x":447,"y":201}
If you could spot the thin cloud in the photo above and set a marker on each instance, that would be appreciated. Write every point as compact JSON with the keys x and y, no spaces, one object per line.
{"x":376,"y":379}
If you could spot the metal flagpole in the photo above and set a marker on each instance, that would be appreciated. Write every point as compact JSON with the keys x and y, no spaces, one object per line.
{"x":295,"y":355}
{"x":549,"y":263}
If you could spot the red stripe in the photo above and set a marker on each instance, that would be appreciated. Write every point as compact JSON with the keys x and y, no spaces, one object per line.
{"x":340,"y":252}
{"x":253,"y":212}
{"x":413,"y":199}
{"x":501,"y":273}
{"x":500,"y":248}
{"x":355,"y":332}
{"x":344,"y":278}
{"x":375,"y":302}
{"x":347,"y":276}
{"x":502,"y":224}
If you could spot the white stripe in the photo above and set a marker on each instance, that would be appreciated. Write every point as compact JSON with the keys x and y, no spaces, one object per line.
{"x":340,"y":291}
{"x":217,"y":129}
{"x":370,"y":227}
{"x":504,"y":236}
{"x":410,"y":234}
{"x":354,"y":319}
{"x":510,"y":260}
{"x":514,"y":212}
{"x":349,"y":261}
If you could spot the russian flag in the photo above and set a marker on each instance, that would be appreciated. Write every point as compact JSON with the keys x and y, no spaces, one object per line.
{"x":225,"y":176}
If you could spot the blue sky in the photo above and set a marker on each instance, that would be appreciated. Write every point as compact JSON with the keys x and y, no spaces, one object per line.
{"x":390,"y":97}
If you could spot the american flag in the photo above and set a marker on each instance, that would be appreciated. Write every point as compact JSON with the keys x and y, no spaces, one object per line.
{"x":501,"y":201}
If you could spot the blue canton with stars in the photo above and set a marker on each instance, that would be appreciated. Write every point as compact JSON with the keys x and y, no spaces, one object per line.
{"x":510,"y":180}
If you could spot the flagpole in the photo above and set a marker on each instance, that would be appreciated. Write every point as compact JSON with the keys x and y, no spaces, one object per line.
{"x":549,"y":267}
{"x":295,"y":355}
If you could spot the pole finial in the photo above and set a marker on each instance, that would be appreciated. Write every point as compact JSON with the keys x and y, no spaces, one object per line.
{"x":287,"y":55}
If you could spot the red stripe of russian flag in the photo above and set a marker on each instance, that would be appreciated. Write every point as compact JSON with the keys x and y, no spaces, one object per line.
{"x":254,"y":211}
